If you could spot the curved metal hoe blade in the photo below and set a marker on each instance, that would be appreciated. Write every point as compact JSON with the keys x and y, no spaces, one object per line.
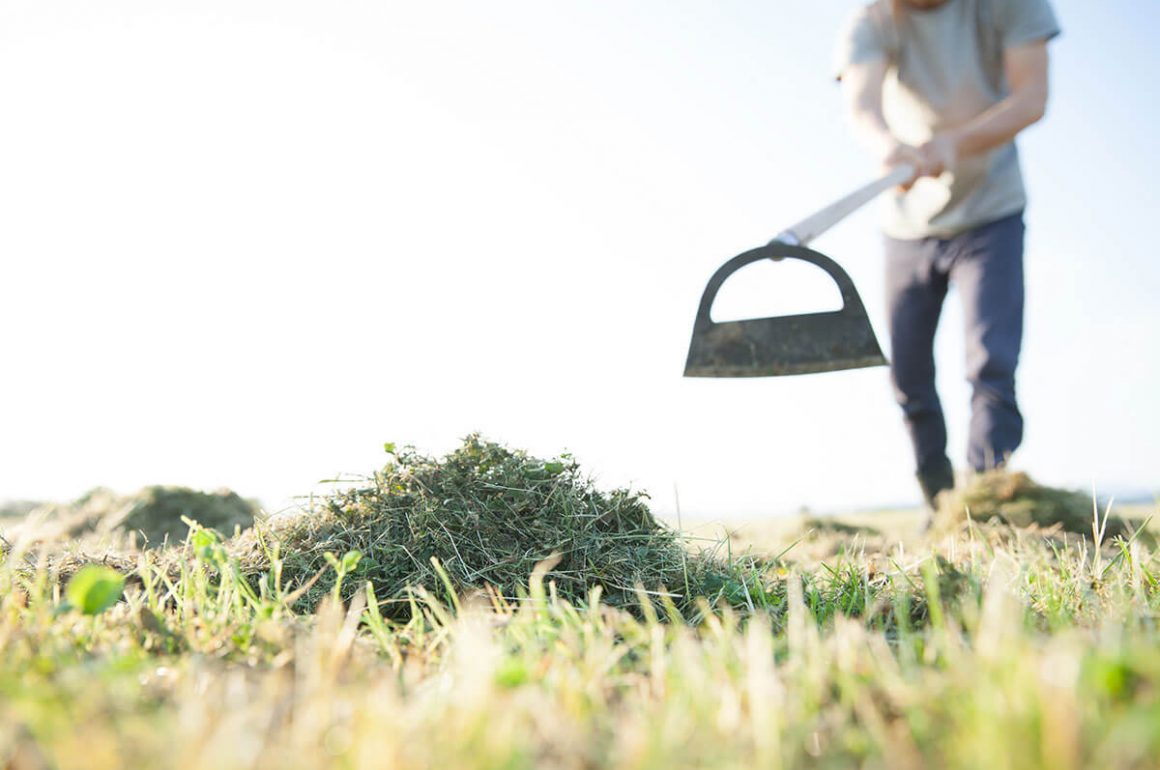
{"x":782,"y":345}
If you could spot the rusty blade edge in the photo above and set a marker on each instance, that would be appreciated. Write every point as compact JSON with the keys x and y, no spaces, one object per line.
{"x":782,"y":370}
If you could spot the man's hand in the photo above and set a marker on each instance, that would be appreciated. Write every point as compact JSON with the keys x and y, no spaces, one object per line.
{"x":939,"y":154}
{"x":904,"y":153}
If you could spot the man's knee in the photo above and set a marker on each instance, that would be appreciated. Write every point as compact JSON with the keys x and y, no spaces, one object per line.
{"x":992,"y":360}
{"x":917,"y":396}
{"x":912,"y":370}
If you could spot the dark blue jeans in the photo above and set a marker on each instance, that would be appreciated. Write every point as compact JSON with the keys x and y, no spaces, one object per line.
{"x":986,"y":266}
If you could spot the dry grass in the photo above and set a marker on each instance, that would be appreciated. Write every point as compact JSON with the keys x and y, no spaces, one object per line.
{"x":851,"y":642}
{"x":991,"y":648}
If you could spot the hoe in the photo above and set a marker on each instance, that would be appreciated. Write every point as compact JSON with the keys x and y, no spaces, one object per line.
{"x":792,"y":344}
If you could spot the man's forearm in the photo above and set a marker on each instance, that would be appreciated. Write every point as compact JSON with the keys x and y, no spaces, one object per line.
{"x":873,"y":133}
{"x":862,"y":89}
{"x":1025,"y":67}
{"x":1026,"y":70}
{"x":999,"y":124}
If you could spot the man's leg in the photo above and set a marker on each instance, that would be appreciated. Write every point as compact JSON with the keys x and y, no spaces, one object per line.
{"x":915,"y":289}
{"x":989,"y":275}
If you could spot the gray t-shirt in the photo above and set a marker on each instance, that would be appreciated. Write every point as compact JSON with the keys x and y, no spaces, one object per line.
{"x":945,"y":66}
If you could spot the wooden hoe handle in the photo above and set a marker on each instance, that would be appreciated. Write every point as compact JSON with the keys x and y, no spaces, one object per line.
{"x":816,"y":224}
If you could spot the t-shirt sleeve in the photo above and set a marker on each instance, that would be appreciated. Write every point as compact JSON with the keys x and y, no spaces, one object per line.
{"x":1026,"y":21}
{"x":860,"y":41}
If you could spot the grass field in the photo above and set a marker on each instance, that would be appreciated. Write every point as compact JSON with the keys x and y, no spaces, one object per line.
{"x":860,"y":645}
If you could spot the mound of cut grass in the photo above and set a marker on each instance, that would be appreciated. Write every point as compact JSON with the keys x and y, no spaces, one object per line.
{"x":827,"y":525}
{"x":1015,"y":499}
{"x":17,"y":509}
{"x":157,"y":512}
{"x":487,"y":515}
{"x":154,"y":513}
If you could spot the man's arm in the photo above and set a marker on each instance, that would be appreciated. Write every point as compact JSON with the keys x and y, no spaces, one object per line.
{"x":862,"y":89}
{"x":1026,"y":68}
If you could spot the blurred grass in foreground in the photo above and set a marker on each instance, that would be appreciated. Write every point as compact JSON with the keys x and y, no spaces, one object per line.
{"x":992,"y":647}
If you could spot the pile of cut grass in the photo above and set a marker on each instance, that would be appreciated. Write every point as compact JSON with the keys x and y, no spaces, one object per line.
{"x":159,"y":512}
{"x":1012,"y":497}
{"x":153,"y":516}
{"x":486,"y":515}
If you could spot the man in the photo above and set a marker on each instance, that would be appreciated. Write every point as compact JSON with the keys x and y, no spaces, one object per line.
{"x":945,"y":85}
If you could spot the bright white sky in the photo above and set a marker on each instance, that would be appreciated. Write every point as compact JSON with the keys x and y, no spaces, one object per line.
{"x":245,"y":243}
